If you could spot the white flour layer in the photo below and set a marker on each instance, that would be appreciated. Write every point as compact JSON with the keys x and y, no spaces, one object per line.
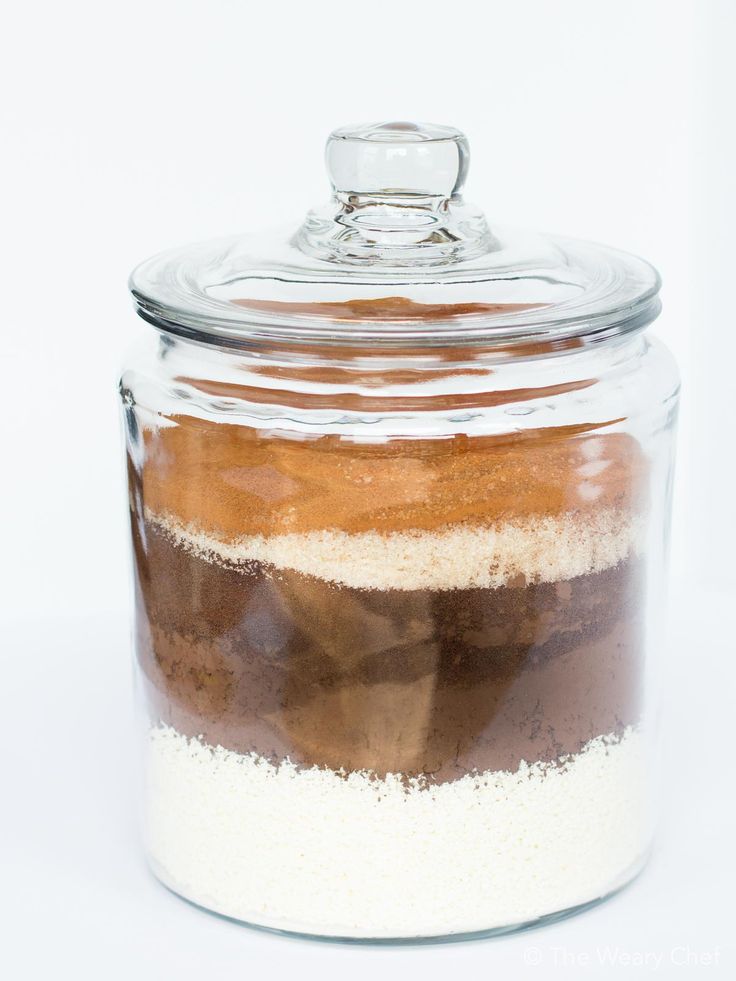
{"x":455,"y":557}
{"x":316,"y":852}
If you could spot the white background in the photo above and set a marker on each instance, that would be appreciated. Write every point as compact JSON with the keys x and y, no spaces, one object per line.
{"x":133,"y":126}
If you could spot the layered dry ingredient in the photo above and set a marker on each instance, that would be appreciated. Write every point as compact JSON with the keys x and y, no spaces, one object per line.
{"x":394,"y":687}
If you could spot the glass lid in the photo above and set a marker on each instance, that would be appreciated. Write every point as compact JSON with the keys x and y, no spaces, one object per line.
{"x":397,"y":255}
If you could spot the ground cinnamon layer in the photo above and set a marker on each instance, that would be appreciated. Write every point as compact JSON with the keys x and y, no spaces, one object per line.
{"x":233,"y":480}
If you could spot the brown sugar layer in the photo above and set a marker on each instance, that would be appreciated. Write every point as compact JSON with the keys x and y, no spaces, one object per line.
{"x":231,"y":481}
{"x":422,"y":681}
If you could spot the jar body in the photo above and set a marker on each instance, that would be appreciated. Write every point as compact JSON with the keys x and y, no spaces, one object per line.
{"x":396,"y":621}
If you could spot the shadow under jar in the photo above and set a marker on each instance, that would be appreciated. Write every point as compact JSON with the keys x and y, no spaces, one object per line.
{"x":399,"y":491}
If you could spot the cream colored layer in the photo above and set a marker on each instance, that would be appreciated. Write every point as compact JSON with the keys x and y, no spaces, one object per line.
{"x":457,"y":557}
{"x":353,"y":856}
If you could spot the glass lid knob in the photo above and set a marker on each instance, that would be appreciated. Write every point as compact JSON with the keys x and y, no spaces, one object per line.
{"x":390,"y":160}
{"x":396,"y":199}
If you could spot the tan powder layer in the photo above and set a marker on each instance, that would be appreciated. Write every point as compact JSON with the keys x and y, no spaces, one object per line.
{"x":458,"y":557}
{"x":234,"y":481}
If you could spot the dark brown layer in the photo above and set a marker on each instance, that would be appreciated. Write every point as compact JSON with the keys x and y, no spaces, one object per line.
{"x":419,"y":681}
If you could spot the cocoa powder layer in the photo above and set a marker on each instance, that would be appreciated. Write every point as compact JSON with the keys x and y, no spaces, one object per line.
{"x":233,"y":480}
{"x":416,"y":682}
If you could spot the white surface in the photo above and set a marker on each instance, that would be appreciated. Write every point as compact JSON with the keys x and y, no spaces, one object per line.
{"x":130,"y":128}
{"x":77,"y":901}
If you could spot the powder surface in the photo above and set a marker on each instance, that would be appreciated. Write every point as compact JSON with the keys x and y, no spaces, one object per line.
{"x":318,"y":852}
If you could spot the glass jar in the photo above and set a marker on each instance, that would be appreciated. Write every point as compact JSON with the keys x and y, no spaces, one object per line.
{"x":399,"y":492}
